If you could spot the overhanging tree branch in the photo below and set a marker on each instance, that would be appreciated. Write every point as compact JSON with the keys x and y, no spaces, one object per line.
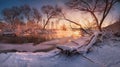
{"x":81,"y":28}
{"x":93,"y":7}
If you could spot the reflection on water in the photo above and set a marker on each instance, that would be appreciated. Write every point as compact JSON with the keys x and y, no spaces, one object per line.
{"x":60,"y":34}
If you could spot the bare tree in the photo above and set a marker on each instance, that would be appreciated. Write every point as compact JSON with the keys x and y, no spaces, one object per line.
{"x":36,"y":15}
{"x":18,"y":15}
{"x":94,"y":6}
{"x":10,"y":15}
{"x":31,"y":15}
{"x":53,"y":12}
{"x":50,"y":12}
{"x":26,"y":12}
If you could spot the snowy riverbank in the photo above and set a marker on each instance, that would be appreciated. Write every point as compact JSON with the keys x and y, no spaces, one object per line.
{"x":104,"y":54}
{"x":100,"y":57}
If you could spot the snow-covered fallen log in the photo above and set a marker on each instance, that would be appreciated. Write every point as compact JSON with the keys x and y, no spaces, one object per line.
{"x":91,"y":42}
{"x":79,"y":47}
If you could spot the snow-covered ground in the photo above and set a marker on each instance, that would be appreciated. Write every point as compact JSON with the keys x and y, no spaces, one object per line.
{"x":105,"y":54}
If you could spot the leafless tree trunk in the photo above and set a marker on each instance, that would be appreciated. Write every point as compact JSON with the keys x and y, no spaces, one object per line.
{"x":101,"y":6}
{"x":48,"y":19}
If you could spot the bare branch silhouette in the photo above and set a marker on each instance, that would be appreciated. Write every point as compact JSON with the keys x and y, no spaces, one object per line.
{"x":93,"y":6}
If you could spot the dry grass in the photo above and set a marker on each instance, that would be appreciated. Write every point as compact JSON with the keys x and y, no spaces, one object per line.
{"x":21,"y":39}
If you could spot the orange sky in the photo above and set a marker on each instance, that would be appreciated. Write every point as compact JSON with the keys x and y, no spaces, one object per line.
{"x":82,"y":18}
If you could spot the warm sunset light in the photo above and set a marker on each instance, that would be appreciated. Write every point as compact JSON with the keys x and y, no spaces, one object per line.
{"x":59,"y":33}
